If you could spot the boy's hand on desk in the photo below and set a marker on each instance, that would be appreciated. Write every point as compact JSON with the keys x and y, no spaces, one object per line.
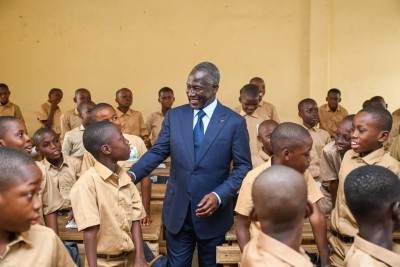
{"x":146,"y":220}
{"x":207,"y":206}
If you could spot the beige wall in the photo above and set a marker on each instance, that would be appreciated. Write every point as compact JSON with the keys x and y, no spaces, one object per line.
{"x":301,"y":48}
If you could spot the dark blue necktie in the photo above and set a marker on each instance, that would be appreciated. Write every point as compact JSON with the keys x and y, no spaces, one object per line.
{"x":198,"y":133}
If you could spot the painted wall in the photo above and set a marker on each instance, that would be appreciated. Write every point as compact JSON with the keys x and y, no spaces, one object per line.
{"x":301,"y":48}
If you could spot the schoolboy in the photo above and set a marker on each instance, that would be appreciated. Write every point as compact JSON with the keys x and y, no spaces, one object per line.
{"x":20,"y":243}
{"x":71,"y":118}
{"x":13,"y":134}
{"x":154,"y":121}
{"x":332,"y":113}
{"x":49,"y":113}
{"x":7,"y":108}
{"x":73,"y":144}
{"x":63,"y":169}
{"x":278,"y":243}
{"x":331,"y":159}
{"x":249,"y":100}
{"x":270,"y":108}
{"x":291,"y":145}
{"x":371,"y":127}
{"x":373,"y":196}
{"x":107,"y":206}
{"x":105,"y":112}
{"x":308,"y":112}
{"x":131,"y":120}
{"x":265,"y":130}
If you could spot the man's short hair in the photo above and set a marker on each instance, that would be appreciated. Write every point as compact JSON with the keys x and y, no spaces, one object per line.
{"x":288,"y":135}
{"x":81,"y":90}
{"x":4,"y":120}
{"x":165,"y":90}
{"x":122,"y":89}
{"x":37,"y":136}
{"x":11,"y":163}
{"x":305,"y":101}
{"x":250,"y":90}
{"x":4,"y":86}
{"x":256,"y":79}
{"x":96,"y":135}
{"x":212,"y":71}
{"x":53,"y":90}
{"x":83,"y":104}
{"x":381,"y":116}
{"x":97,"y":107}
{"x":369,"y":188}
{"x":334,"y":91}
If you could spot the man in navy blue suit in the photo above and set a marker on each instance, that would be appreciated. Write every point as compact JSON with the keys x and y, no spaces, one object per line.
{"x":203,"y":138}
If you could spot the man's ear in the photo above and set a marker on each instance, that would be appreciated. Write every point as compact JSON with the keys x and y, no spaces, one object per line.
{"x":215,"y":88}
{"x":286,"y":154}
{"x":2,"y":143}
{"x":159,"y":101}
{"x":340,"y":99}
{"x":383,"y":136}
{"x":80,"y":115}
{"x":74,"y":99}
{"x":258,"y":138}
{"x":309,"y":209}
{"x":326,"y":99}
{"x":396,"y":211}
{"x":253,"y":215}
{"x":240,"y":99}
{"x":105,"y":149}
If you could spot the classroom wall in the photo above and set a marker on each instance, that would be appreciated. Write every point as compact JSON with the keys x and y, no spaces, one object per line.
{"x":301,"y":48}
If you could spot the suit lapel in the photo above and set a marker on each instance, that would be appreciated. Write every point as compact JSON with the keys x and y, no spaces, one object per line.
{"x":215,"y":126}
{"x":187,"y":131}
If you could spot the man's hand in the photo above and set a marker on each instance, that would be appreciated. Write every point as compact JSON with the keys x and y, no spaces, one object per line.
{"x":207,"y":206}
{"x":146,"y":221}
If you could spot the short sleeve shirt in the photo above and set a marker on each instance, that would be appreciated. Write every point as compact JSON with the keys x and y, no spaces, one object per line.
{"x":110,"y":200}
{"x":270,"y":109}
{"x":330,"y":163}
{"x":69,"y":121}
{"x":73,"y":142}
{"x":329,"y":120}
{"x":132,"y":122}
{"x":11,"y":109}
{"x":154,"y":123}
{"x":39,"y":246}
{"x":320,"y":139}
{"x":43,"y":115}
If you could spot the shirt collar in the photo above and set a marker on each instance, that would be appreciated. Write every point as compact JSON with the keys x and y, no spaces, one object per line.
{"x":329,"y":110}
{"x":120,"y":113}
{"x":105,"y":173}
{"x":8,"y":104}
{"x":81,"y":128}
{"x":49,"y":165}
{"x":390,"y":257}
{"x":254,"y":115}
{"x":209,"y":110}
{"x":371,"y":158}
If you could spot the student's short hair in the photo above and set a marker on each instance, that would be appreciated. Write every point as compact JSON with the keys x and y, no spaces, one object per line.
{"x":250,"y":90}
{"x":11,"y":163}
{"x":266,"y":122}
{"x":4,"y":86}
{"x":381,"y":117}
{"x":369,"y":188}
{"x":256,"y":79}
{"x":122,"y":89}
{"x":212,"y":71}
{"x":376,"y":101}
{"x":165,"y":90}
{"x":53,"y":90}
{"x":82,"y":105}
{"x":96,"y":135}
{"x":349,"y":118}
{"x":334,"y":91}
{"x":366,"y":103}
{"x":4,"y":120}
{"x":97,"y":107}
{"x":37,"y":136}
{"x":288,"y":135}
{"x":81,"y":90}
{"x":305,"y":101}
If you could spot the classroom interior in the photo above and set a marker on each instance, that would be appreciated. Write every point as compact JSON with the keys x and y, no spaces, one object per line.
{"x":300,"y":48}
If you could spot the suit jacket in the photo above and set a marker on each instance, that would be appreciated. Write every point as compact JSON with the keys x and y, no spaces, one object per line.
{"x":226,"y":139}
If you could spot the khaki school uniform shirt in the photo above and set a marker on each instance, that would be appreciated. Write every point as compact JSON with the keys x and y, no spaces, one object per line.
{"x":49,"y":196}
{"x":39,"y":246}
{"x":11,"y":109}
{"x":154,"y":123}
{"x":329,"y":120}
{"x":73,"y":142}
{"x":101,"y":197}
{"x":69,"y":121}
{"x":270,"y":109}
{"x":320,"y":139}
{"x":138,"y":148}
{"x":342,"y":221}
{"x":245,"y":202}
{"x":43,"y":114}
{"x":260,"y":158}
{"x":394,"y":132}
{"x":396,"y":112}
{"x":394,"y":149}
{"x":132,"y":122}
{"x":366,"y":254}
{"x":267,"y":251}
{"x":65,"y":176}
{"x":252,"y":121}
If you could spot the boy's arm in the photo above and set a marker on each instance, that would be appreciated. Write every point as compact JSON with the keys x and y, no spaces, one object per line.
{"x":136,"y":232}
{"x":318,"y":225}
{"x":90,"y":241}
{"x":333,"y":186}
{"x":50,"y":221}
{"x":50,"y":119}
{"x":242,"y":230}
{"x":146,"y":198}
